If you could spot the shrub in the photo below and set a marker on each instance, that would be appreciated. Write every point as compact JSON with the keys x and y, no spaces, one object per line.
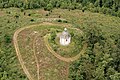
{"x":22,"y":9}
{"x":8,"y":12}
{"x":78,"y":6}
{"x":55,"y":47}
{"x":47,"y":15}
{"x":59,"y":20}
{"x":71,"y":7}
{"x":16,"y":16}
{"x":104,"y":10}
{"x":24,"y":13}
{"x":49,"y":7}
{"x":53,"y":35}
{"x":16,"y":22}
{"x":118,"y":14}
{"x":114,"y":13}
{"x":64,"y":21}
{"x":72,"y":34}
{"x":29,"y":14}
{"x":45,"y":8}
{"x":84,"y":8}
{"x":91,"y":5}
{"x":64,"y":5}
{"x":32,"y":20}
{"x":7,"y":38}
{"x":59,"y":16}
{"x":8,"y":21}
{"x":96,"y":9}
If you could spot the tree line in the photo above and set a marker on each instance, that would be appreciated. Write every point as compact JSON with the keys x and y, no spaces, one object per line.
{"x":111,"y":7}
{"x":101,"y":60}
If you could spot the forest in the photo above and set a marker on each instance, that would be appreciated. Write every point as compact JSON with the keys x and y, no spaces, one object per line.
{"x":111,"y":7}
{"x":102,"y":58}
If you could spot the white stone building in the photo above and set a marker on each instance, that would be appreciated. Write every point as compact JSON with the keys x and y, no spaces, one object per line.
{"x":65,"y":38}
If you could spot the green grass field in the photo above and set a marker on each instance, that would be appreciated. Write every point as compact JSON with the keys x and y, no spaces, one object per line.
{"x":49,"y":66}
{"x":73,"y":48}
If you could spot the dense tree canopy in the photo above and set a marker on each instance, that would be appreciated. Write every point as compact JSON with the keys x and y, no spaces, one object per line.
{"x":102,"y":58}
{"x":111,"y":7}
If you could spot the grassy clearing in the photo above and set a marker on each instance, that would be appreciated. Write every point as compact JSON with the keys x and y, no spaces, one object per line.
{"x":72,"y":49}
{"x":49,"y":66}
{"x":109,"y":24}
{"x":25,"y":39}
{"x":9,"y":24}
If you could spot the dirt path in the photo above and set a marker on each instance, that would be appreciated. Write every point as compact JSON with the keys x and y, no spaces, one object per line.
{"x":37,"y":63}
{"x":18,"y":53}
{"x":15,"y":41}
{"x":59,"y":56}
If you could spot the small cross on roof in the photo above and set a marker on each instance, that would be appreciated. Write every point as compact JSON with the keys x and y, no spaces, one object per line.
{"x":65,"y":29}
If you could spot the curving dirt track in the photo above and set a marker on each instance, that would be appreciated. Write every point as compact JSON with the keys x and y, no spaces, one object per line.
{"x":59,"y":56}
{"x":15,"y":41}
{"x":37,"y":63}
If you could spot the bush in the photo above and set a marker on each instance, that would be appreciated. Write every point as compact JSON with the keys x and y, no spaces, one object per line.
{"x":118,"y":14}
{"x":90,"y":5}
{"x":64,"y":21}
{"x":59,"y":16}
{"x":96,"y":9}
{"x":45,"y":8}
{"x":55,"y":47}
{"x":104,"y":10}
{"x":47,"y":14}
{"x":64,"y":5}
{"x":71,"y":7}
{"x":7,"y":38}
{"x":16,"y":16}
{"x":8,"y":21}
{"x":59,"y":20}
{"x":72,"y":34}
{"x":22,"y":9}
{"x":78,"y":6}
{"x":84,"y":8}
{"x":32,"y":20}
{"x":49,"y":7}
{"x":8,"y":12}
{"x":24,"y":13}
{"x":29,"y":14}
{"x":109,"y":11}
{"x":114,"y":13}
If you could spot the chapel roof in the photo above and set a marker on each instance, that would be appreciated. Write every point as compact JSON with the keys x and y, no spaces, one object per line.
{"x":65,"y":33}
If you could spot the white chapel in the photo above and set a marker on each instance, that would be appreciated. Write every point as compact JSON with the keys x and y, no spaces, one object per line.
{"x":65,"y":38}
